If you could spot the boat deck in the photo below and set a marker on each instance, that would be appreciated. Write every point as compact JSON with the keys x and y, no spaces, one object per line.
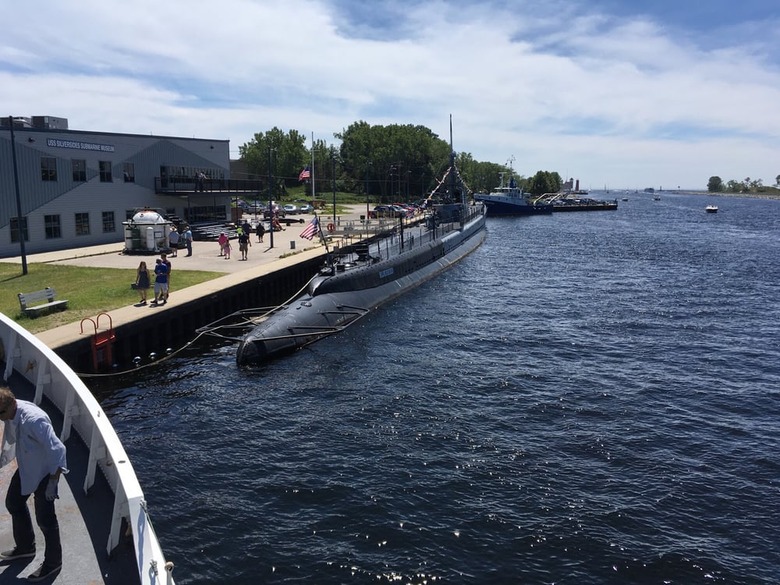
{"x":82,"y":519}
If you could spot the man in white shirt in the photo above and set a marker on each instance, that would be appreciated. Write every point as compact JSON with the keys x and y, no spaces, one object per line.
{"x":29,"y":437}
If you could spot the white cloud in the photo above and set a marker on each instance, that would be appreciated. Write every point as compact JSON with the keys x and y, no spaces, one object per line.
{"x":612,"y":101}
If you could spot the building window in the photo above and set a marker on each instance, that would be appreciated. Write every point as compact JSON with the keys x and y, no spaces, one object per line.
{"x":15,"y":229}
{"x":48,"y":168}
{"x":82,"y":224}
{"x":109,"y":225}
{"x":52,"y":226}
{"x":128,"y":172}
{"x":105,"y":171}
{"x":79,"y":170}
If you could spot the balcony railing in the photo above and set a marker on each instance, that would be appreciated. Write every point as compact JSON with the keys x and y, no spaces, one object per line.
{"x":190,"y":186}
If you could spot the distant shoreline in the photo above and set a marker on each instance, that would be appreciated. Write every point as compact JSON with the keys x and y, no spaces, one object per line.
{"x":740,"y":195}
{"x":720,"y":194}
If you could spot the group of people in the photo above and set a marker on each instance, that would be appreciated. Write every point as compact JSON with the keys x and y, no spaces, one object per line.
{"x":162,"y":269}
{"x":174,"y":237}
{"x":162,"y":281}
{"x":244,"y":232}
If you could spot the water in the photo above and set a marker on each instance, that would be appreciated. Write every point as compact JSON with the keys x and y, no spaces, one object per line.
{"x":588,"y":398}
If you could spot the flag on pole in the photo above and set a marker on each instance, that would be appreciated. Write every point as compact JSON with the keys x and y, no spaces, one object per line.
{"x":311,"y":229}
{"x":305,"y":174}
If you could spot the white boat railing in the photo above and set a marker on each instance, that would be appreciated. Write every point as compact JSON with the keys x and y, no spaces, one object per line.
{"x":52,"y":378}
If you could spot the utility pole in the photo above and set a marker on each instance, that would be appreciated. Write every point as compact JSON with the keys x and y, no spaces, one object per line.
{"x":19,"y":223}
{"x":270,"y":196}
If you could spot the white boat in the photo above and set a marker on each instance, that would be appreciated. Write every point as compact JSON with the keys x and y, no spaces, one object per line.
{"x":107,"y":534}
{"x":711,"y":209}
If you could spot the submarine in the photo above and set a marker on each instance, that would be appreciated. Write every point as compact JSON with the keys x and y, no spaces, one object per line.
{"x":362,"y":277}
{"x":351,"y":285}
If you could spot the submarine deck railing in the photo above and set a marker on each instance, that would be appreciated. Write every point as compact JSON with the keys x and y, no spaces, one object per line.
{"x":403,"y":238}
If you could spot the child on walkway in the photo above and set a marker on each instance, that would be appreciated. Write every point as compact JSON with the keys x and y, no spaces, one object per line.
{"x":226,"y":248}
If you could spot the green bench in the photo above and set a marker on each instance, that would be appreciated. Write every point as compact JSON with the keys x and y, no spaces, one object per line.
{"x":28,"y":302}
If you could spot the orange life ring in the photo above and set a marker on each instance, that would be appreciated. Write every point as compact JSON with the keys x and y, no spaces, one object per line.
{"x":331,"y":228}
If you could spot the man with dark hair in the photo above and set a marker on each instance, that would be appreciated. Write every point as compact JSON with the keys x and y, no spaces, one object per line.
{"x":28,"y":436}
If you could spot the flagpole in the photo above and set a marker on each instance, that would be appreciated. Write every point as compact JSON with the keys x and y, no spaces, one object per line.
{"x":323,"y":239}
{"x":312,"y":169}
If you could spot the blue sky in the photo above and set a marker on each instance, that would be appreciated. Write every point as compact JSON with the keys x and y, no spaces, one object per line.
{"x":615,"y":93}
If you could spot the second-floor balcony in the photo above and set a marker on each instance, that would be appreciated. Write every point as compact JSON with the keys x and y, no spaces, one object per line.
{"x":191,"y":186}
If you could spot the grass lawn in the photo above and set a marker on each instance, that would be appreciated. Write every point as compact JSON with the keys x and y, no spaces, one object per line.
{"x":89,"y":291}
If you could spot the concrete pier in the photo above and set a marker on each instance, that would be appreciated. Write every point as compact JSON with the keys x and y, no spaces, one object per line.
{"x":269,"y":277}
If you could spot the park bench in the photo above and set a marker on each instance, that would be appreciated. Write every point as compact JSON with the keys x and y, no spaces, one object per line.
{"x":48,"y":294}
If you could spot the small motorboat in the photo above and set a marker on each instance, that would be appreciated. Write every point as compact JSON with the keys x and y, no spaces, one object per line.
{"x":711,"y":209}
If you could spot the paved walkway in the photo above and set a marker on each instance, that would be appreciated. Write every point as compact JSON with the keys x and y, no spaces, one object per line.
{"x":205,"y":255}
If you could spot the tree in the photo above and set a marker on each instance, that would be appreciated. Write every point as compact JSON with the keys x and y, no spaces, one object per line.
{"x":543,"y":182}
{"x":392,"y":161}
{"x":715,"y":184}
{"x":288,"y":154}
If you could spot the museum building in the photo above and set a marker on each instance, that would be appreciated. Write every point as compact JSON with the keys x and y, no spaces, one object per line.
{"x":62,"y":188}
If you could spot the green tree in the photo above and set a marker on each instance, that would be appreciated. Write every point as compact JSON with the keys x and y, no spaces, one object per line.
{"x":543,"y":182}
{"x":715,"y":184}
{"x":288,"y":154}
{"x":393,"y":162}
{"x":327,"y":168}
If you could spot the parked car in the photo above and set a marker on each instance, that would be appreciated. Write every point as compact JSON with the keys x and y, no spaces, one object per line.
{"x":290,"y":209}
{"x":386,"y":211}
{"x":305,"y":208}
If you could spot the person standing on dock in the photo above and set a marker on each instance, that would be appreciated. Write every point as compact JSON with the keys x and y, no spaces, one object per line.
{"x":173,"y":240}
{"x":260,"y":231}
{"x":142,"y":282}
{"x":187,"y":237}
{"x":244,"y":241}
{"x":222,"y":241}
{"x":29,"y":437}
{"x":160,"y":282}
{"x":167,"y":262}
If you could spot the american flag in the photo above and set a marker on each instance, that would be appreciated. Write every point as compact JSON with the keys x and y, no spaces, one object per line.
{"x":311,"y":229}
{"x":305,"y":174}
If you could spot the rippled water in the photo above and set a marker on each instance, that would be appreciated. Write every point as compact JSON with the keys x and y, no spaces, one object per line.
{"x":588,"y":398}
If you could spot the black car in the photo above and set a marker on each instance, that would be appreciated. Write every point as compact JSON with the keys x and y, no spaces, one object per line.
{"x":385,"y":211}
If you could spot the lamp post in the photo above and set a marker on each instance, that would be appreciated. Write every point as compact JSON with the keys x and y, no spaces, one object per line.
{"x":333,"y":181}
{"x":20,"y":227}
{"x":368,"y":166}
{"x":270,"y":196}
{"x":391,"y":192}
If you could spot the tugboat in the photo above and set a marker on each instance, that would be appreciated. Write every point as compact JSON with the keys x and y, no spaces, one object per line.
{"x":361,"y":277}
{"x":509,"y":199}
